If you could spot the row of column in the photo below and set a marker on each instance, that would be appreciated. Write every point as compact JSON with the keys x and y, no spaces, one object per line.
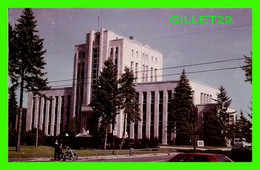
{"x":163,"y":132}
{"x":47,"y":125}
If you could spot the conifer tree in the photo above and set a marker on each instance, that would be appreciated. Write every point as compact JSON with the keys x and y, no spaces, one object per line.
{"x":128,"y":95}
{"x":181,"y":116}
{"x":26,"y":60}
{"x":211,"y":129}
{"x":248,"y":68}
{"x":244,"y":128}
{"x":223,"y":103}
{"x":12,"y":108}
{"x":105,"y":98}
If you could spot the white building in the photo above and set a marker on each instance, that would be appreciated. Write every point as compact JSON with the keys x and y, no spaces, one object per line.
{"x":89,"y":57}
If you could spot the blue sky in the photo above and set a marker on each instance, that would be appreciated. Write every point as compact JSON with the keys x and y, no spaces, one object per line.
{"x":181,"y":44}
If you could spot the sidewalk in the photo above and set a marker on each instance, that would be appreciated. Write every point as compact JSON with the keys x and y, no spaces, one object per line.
{"x":46,"y":159}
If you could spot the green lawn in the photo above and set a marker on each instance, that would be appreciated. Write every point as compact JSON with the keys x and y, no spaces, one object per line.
{"x":47,"y":151}
{"x":31,"y":151}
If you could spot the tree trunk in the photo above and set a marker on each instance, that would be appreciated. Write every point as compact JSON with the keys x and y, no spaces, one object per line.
{"x":194,"y":144}
{"x":123,"y":137}
{"x":20,"y":117}
{"x":105,"y":140}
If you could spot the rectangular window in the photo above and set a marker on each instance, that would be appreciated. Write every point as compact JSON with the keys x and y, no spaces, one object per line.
{"x":56,"y":114}
{"x":117,"y":51}
{"x":146,"y":78}
{"x":155,"y":74}
{"x":201,"y":98}
{"x":33,"y":112}
{"x":132,"y":65}
{"x":50,"y":114}
{"x":95,"y":69}
{"x":144,"y":113}
{"x":169,"y":100}
{"x":160,"y":114}
{"x":143,"y":73}
{"x":111,"y":52}
{"x":151,"y":74}
{"x":68,"y":111}
{"x":152,"y":114}
{"x":136,"y":71}
{"x":62,"y":114}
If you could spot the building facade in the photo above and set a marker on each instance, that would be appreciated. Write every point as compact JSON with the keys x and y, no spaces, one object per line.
{"x":52,"y":116}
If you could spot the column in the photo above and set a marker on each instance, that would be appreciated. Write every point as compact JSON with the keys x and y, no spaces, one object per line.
{"x":53,"y":116}
{"x":74,"y":85}
{"x":156,"y":114}
{"x":47,"y":117}
{"x":36,"y":112}
{"x":58,"y":116}
{"x":29,"y":112}
{"x":165,"y":117}
{"x":89,"y":67}
{"x":41,"y":112}
{"x":132,"y":132}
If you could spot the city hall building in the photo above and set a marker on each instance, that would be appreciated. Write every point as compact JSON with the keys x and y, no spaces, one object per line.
{"x":52,"y":116}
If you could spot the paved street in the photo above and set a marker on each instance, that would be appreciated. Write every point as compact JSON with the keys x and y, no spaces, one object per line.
{"x":159,"y":157}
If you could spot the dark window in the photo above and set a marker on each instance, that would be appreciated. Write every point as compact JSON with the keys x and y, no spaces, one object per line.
{"x":198,"y":158}
{"x":56,"y":114}
{"x":160,"y":113}
{"x":180,"y":158}
{"x":223,"y":159}
{"x":33,"y":113}
{"x":144,"y":113}
{"x":44,"y":114}
{"x":50,"y":114}
{"x":62,"y":114}
{"x":68,"y":110}
{"x":152,"y":113}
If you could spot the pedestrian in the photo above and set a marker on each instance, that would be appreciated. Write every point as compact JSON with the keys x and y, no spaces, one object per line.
{"x":56,"y":150}
{"x":131,"y":151}
{"x":60,"y":149}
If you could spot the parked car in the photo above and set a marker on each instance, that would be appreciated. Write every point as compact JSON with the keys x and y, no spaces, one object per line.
{"x":241,"y":142}
{"x":200,"y":157}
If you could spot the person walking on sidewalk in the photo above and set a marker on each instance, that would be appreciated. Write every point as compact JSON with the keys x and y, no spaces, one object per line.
{"x":60,"y":149}
{"x":56,"y":150}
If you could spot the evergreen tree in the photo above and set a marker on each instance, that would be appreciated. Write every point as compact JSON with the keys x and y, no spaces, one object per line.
{"x":244,"y":128}
{"x":26,"y":60}
{"x":211,"y":129}
{"x":12,"y":108}
{"x":248,"y":72}
{"x":128,"y":95}
{"x":248,"y":68}
{"x":181,"y":114}
{"x":105,"y":98}
{"x":72,"y":130}
{"x":223,"y":103}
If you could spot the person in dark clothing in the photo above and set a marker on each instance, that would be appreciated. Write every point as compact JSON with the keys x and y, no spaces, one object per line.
{"x":60,"y":149}
{"x":56,"y":150}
